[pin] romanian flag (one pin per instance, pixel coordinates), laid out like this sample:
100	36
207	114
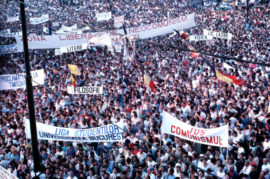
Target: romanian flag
182	34
149	82
193	54
73	81
74	69
128	110
229	78
55	71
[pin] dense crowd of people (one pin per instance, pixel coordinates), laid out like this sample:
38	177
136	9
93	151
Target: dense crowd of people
186	88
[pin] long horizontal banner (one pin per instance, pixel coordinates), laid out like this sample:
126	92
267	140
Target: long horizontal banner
107	133
15	81
141	32
200	38
39	20
85	90
215	137
220	35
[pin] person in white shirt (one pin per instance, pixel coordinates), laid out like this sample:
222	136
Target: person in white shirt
220	172
205	165
114	174
150	162
72	175
240	149
148	173
200	162
265	164
246	169
141	155
177	171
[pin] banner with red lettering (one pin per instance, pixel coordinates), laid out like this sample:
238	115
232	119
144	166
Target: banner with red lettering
141	32
118	21
215	136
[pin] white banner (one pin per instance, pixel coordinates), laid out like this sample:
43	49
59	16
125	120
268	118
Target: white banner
45	29
4	174
102	39
85	90
107	133
57	52
85	28
7	49
141	32
4	33
227	66
215	136
118	21
220	35
7	33
69	29
200	38
15	81
55	24
104	16
13	19
75	48
39	20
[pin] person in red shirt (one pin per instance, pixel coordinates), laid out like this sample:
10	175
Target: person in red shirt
135	149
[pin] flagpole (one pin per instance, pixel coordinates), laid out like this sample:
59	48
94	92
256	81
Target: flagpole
227	153
159	154
29	90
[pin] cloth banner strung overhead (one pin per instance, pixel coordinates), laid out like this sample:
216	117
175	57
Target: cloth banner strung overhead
102	39
104	16
39	20
93	90
106	133
142	32
15	81
74	48
118	21
220	35
13	19
199	38
64	29
215	136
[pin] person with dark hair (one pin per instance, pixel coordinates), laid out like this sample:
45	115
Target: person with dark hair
171	174
253	173
232	173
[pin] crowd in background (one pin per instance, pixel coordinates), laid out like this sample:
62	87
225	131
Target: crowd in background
186	87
